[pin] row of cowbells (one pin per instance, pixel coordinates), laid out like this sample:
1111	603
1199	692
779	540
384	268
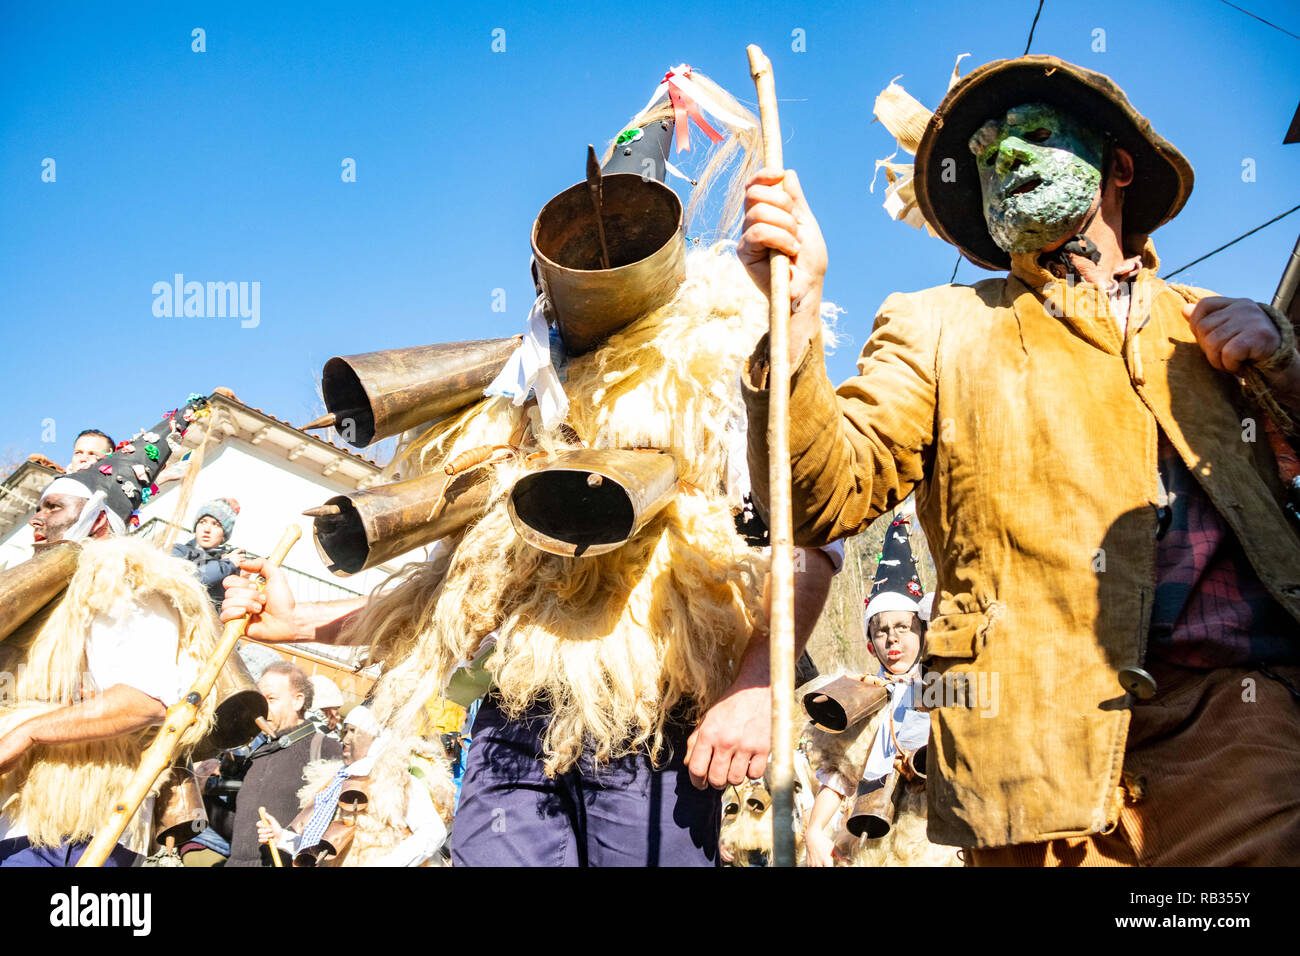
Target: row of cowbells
375	395
605	252
580	502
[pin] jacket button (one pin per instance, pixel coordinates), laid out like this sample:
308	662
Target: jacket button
1138	683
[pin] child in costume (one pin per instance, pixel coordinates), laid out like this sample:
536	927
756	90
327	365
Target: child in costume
861	759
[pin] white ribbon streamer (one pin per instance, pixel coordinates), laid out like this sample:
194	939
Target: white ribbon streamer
679	76
529	369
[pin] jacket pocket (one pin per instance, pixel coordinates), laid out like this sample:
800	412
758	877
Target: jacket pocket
958	636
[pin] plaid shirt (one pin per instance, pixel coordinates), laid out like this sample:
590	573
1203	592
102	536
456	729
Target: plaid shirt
1211	610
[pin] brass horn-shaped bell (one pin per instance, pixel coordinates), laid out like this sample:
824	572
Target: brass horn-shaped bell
178	811
377	394
844	702
591	501
758	799
26	588
914	763
362	529
354	796
643	232
239	705
334	842
873	811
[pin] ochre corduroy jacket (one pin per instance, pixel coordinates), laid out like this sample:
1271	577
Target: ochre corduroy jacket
1028	427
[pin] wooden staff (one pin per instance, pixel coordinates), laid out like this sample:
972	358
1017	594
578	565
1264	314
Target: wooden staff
180	716
780	525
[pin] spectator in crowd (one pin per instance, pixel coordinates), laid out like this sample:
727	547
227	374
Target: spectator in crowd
275	765
209	550
256	657
90	446
410	796
327	700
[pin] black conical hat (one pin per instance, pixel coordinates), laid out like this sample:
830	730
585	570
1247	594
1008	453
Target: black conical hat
895	571
127	474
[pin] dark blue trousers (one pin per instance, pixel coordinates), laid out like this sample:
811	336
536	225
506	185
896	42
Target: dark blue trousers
625	814
18	852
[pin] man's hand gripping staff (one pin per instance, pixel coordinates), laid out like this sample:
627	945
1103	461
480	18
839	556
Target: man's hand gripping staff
778	218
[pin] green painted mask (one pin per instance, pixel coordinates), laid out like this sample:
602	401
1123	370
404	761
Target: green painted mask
1039	172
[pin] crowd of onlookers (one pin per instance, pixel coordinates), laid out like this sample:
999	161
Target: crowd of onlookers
278	795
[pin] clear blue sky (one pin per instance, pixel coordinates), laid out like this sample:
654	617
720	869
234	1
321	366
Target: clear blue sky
225	165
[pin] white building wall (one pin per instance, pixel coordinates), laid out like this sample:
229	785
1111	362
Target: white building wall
16	546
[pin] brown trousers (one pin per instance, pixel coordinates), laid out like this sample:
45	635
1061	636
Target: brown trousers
1211	778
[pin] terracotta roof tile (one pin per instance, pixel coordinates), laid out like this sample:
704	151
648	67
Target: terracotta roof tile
42	460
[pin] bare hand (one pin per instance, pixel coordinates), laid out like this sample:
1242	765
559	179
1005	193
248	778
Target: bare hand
269	830
733	740
820	847
1232	332
777	217
271	610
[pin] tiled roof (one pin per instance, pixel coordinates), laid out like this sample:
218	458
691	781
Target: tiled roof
227	393
46	463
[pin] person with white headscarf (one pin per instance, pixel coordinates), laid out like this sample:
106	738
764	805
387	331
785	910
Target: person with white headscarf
101	664
70	511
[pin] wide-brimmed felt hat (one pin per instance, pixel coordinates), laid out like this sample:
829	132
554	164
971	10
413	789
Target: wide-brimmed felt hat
1162	177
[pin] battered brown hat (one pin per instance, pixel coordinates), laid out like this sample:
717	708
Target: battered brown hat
1162	177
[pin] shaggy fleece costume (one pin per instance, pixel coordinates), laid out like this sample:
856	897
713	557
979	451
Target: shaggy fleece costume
614	645
62	792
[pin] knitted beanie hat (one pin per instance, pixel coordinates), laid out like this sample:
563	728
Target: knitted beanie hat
223	511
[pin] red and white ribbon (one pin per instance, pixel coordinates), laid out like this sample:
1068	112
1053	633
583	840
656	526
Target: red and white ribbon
688	99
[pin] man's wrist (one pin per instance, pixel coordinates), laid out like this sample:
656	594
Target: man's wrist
755	663
1284	360
21	737
805	323
1284	378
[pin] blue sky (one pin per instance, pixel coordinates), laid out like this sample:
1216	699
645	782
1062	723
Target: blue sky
225	166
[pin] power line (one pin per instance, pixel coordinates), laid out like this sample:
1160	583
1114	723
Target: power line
1027	44
1030	41
1260	19
1232	242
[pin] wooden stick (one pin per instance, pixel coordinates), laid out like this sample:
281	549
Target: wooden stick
780	524
275	853
180	716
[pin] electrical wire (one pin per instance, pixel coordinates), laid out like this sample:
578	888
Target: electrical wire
1260	19
1030	41
1213	252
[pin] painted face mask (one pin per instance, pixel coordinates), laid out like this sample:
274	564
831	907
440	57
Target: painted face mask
1039	172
